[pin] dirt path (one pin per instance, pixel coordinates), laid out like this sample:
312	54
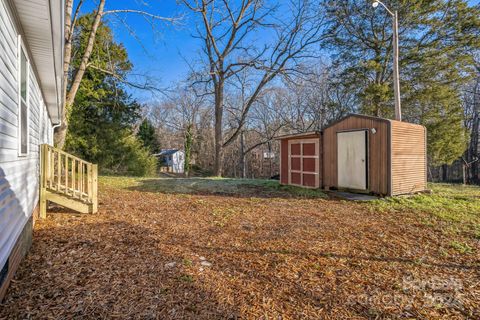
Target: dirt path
154	255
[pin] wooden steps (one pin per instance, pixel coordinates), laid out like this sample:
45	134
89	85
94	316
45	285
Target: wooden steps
69	202
68	181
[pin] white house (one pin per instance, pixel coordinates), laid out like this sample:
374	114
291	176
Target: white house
31	72
172	159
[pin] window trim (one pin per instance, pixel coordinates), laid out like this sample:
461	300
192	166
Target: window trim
22	49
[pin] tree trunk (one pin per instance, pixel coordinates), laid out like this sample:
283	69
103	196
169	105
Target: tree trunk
270	174
61	133
188	149
243	166
474	148
444	173
218	166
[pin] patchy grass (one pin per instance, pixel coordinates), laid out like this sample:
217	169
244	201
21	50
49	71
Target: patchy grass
186	278
212	185
456	205
461	247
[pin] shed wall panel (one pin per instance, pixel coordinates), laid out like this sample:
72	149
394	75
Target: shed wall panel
378	163
409	158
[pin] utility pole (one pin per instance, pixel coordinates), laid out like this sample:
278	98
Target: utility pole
396	72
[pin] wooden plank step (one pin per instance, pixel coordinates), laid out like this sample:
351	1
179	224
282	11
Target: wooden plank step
69	193
68	202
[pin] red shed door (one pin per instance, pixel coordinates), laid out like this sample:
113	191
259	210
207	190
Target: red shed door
303	162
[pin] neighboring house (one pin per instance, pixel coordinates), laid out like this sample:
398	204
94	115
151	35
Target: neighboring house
31	73
172	159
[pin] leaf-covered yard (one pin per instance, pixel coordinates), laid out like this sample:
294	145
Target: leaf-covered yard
217	248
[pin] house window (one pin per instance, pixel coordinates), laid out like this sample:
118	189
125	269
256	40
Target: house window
23	103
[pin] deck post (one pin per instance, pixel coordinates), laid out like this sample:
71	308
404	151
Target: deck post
66	175
74	174
89	183
94	188
59	172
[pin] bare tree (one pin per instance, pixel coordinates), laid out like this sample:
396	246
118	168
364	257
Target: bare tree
228	32
313	101
180	114
265	122
73	78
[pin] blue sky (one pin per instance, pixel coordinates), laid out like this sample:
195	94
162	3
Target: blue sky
167	53
161	54
164	54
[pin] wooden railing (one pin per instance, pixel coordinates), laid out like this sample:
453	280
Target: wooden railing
68	176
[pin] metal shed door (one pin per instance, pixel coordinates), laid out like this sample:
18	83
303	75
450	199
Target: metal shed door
352	159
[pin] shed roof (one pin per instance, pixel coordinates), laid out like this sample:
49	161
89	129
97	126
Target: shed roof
310	133
358	116
369	117
167	152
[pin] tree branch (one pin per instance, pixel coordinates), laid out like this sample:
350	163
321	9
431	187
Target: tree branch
144	13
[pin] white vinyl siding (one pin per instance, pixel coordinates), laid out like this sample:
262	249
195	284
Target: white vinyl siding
23	100
178	159
19	175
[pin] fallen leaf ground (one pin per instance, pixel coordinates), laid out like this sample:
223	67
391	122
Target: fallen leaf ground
253	254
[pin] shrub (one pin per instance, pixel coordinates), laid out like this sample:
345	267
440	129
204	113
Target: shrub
137	160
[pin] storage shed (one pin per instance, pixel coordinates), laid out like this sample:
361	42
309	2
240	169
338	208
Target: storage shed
358	153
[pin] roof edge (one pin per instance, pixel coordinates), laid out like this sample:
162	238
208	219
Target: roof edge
301	134
358	115
51	14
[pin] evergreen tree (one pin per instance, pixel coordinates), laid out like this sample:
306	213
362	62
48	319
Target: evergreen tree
436	41
103	114
148	136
